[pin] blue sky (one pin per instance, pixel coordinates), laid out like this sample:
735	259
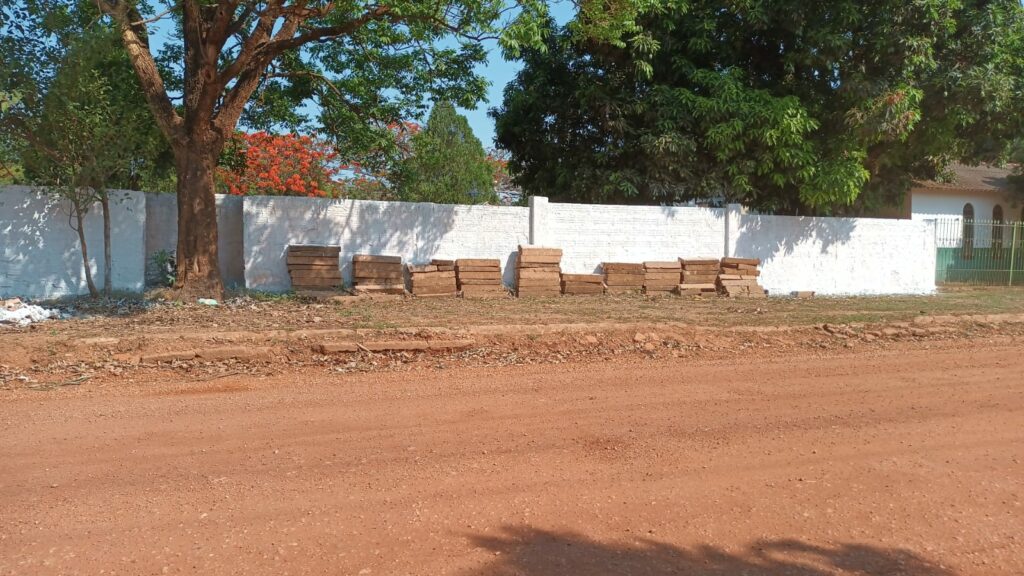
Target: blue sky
500	72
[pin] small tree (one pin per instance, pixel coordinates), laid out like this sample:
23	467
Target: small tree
87	133
448	164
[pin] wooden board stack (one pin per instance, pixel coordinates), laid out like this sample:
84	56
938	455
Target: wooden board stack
738	277
698	277
582	284
479	277
538	271
373	274
661	277
314	267
432	279
623	277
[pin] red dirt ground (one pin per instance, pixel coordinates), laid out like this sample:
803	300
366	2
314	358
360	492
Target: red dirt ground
904	461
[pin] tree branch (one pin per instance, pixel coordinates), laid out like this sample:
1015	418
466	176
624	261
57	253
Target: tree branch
136	42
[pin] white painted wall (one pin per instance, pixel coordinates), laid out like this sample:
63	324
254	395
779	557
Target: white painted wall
838	256
931	203
162	233
947	205
589	234
415	231
40	256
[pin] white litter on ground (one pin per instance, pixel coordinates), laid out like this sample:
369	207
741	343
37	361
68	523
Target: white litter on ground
16	312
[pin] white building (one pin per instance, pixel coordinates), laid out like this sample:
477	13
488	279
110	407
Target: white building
976	193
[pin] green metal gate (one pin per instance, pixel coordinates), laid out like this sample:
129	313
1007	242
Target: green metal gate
981	252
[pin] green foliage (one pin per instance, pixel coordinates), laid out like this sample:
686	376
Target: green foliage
79	119
448	164
785	105
164	266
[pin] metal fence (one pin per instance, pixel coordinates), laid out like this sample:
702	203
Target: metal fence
983	252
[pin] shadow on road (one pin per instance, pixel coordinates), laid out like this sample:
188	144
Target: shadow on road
523	551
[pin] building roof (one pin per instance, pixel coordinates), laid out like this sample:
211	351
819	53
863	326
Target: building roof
981	178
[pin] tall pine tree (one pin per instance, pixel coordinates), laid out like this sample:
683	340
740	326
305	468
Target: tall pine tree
448	164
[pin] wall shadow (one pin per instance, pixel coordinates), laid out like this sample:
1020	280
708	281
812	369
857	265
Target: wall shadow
525	551
40	256
414	231
765	236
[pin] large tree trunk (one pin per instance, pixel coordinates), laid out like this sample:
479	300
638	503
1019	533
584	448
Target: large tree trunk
76	207
107	260
198	271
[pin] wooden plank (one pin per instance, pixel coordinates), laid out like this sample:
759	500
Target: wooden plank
542	283
738	267
546	266
421	268
538	273
493	275
376	258
490	262
313	260
537	259
480	281
701	268
439	262
753	261
540	250
494	268
661	274
309	250
622	267
582	288
661	265
699	262
329	274
538	293
628	280
370	268
438	275
483	288
308	282
433	282
379	289
378	275
586	278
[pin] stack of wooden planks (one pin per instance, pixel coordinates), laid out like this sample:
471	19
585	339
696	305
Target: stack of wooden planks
582	284
698	277
374	274
622	277
738	277
661	277
314	267
479	277
538	271
434	279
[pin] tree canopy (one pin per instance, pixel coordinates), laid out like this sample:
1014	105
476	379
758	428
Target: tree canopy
447	164
786	105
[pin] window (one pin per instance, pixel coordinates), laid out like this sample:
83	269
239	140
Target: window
968	232
997	232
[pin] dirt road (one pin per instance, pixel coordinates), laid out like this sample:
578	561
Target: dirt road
907	462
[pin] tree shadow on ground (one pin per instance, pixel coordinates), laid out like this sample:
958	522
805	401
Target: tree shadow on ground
524	551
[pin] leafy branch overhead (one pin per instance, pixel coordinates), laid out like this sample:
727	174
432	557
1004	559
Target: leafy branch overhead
786	105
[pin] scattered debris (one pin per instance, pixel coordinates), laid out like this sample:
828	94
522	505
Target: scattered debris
18	313
208	302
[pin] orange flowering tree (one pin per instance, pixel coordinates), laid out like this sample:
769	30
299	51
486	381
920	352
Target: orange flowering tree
277	165
262	163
